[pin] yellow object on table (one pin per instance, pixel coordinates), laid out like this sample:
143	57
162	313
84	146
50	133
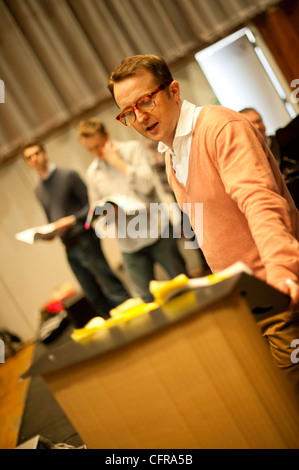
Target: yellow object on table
123	313
173	296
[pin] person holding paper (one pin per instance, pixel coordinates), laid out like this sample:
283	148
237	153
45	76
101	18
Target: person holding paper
64	198
121	173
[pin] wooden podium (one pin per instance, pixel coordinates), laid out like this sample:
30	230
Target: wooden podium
202	378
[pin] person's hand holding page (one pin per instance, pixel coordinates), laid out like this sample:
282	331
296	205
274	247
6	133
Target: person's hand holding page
65	223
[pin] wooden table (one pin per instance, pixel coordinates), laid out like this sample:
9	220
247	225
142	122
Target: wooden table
196	377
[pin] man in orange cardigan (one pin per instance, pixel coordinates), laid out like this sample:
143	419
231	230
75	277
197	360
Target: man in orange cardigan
215	156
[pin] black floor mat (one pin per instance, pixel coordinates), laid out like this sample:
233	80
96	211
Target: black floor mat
42	414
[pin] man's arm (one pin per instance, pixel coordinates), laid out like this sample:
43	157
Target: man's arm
248	178
111	156
132	161
78	192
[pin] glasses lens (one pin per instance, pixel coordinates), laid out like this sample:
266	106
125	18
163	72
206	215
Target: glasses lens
146	104
127	118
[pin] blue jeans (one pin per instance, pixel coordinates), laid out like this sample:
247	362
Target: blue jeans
101	286
140	265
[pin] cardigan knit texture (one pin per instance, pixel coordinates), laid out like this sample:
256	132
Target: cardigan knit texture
248	213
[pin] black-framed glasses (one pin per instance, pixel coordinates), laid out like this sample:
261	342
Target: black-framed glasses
145	104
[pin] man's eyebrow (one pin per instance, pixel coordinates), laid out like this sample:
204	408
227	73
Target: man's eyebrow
138	99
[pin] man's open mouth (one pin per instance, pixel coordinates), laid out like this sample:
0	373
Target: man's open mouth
152	127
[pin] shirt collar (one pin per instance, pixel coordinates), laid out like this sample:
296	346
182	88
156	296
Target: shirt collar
97	162
184	126
51	169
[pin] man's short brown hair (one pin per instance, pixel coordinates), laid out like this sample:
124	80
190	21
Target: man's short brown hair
130	66
33	143
89	127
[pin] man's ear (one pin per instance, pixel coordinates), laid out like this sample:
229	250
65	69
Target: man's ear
174	90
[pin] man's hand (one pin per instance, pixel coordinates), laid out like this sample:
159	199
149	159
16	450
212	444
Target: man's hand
111	156
65	223
291	288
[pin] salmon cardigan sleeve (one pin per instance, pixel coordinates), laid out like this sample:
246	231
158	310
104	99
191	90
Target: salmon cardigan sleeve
248	213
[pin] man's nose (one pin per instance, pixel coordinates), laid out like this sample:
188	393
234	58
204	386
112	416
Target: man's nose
141	116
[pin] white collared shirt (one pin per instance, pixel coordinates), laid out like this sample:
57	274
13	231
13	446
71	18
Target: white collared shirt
104	181
182	140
